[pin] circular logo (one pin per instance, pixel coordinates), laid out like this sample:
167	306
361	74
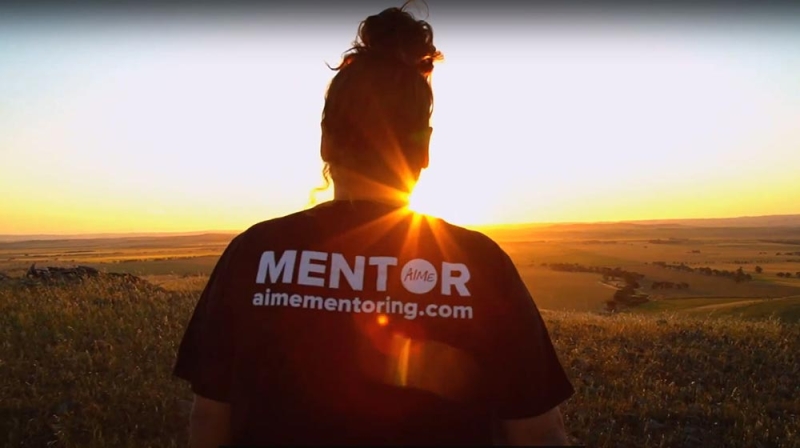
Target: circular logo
419	276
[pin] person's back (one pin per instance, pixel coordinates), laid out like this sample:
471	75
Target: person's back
359	322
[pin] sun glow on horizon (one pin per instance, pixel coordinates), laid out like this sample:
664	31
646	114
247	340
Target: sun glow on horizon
124	129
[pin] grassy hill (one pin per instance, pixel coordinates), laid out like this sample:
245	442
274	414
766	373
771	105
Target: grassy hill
712	364
89	366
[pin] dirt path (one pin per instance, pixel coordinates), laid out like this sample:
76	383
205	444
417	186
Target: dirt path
609	285
725	305
738	303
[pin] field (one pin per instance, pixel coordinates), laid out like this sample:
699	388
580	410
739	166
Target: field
714	364
637	250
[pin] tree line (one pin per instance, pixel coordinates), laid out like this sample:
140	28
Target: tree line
626	295
738	275
629	277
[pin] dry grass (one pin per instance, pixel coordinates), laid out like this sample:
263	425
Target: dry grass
786	309
89	366
186	283
679	381
573	292
566	291
132	253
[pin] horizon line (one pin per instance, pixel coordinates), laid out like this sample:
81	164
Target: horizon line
134	234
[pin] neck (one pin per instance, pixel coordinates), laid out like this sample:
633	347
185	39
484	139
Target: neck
385	195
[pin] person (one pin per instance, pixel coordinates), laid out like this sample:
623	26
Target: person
359	321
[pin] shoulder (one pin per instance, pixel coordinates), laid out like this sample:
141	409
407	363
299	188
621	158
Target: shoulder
472	240
267	232
279	227
247	245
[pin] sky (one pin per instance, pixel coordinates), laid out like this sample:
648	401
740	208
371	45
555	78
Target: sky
178	122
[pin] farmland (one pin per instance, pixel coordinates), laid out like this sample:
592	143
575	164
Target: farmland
711	364
183	262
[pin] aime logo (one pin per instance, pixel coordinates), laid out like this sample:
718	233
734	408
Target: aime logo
323	269
419	276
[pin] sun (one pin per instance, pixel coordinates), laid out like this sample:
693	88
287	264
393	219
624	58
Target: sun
439	200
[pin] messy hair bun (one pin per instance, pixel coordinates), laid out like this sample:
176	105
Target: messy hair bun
394	35
376	118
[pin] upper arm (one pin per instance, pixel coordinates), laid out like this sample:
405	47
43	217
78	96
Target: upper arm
207	409
544	429
210	423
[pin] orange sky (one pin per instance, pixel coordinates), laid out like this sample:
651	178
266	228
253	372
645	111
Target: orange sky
123	129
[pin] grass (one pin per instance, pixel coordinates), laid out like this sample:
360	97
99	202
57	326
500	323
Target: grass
566	291
558	292
197	265
89	366
713	365
178	254
786	309
679	381
679	305
191	283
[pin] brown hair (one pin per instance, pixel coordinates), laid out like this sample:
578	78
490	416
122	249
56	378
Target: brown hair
379	103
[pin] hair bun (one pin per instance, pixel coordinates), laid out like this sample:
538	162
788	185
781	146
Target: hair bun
396	34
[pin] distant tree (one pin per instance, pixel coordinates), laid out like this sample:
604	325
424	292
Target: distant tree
611	306
622	295
780	274
797	274
759	269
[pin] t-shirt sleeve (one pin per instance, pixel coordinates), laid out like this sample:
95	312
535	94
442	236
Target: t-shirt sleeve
528	378
205	354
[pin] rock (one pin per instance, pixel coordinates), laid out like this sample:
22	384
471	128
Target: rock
88	270
61	275
34	272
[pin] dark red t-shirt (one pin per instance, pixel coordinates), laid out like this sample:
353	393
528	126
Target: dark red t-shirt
357	322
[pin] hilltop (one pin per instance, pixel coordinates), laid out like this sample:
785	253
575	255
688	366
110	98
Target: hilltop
91	367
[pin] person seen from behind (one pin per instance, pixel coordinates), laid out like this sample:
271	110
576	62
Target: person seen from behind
359	321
